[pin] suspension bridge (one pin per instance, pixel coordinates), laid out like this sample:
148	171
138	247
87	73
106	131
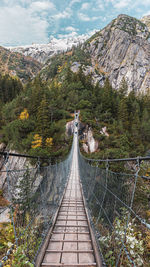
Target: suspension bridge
77	212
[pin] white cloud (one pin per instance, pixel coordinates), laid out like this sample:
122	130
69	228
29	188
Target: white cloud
111	1
20	27
85	17
85	6
17	2
122	4
40	6
63	15
95	18
99	5
69	35
119	4
70	29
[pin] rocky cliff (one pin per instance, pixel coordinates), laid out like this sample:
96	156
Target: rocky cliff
122	50
85	134
89	143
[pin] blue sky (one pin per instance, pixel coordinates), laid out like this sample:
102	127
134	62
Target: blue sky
24	22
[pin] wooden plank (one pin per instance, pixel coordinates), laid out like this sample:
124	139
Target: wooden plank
69	265
69	251
68	240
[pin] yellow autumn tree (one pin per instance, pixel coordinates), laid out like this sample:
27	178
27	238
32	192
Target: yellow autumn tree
37	142
24	115
60	69
49	141
57	84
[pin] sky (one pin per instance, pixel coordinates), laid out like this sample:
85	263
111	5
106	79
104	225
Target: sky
23	22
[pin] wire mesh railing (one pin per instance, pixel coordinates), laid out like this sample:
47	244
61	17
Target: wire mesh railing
114	206
34	195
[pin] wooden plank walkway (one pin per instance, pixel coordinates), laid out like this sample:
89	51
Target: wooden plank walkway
71	241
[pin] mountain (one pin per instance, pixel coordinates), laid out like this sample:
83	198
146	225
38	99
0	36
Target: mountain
42	52
120	51
18	65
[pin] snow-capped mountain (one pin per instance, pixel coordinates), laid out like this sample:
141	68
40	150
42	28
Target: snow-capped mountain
42	52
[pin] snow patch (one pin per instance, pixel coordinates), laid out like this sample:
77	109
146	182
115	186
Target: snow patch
42	52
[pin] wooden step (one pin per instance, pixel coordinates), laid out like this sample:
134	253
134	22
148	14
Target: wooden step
69	251
68	265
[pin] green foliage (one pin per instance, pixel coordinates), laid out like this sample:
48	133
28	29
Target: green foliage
9	88
123	90
81	55
7	237
55	62
112	242
19	259
43	119
25	193
45	108
48	102
16	131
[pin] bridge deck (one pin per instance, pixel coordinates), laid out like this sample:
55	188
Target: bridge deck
71	243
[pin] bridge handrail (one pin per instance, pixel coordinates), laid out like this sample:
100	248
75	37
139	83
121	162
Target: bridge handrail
116	160
6	153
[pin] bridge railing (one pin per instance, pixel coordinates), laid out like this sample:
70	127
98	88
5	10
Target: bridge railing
114	207
34	195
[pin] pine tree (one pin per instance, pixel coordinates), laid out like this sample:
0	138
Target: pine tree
123	113
145	126
25	194
135	122
36	96
43	120
123	88
108	99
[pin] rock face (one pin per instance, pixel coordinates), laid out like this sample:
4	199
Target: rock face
90	144
122	50
86	134
70	128
5	215
17	167
14	163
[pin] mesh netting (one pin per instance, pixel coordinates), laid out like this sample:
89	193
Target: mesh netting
116	220
34	195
